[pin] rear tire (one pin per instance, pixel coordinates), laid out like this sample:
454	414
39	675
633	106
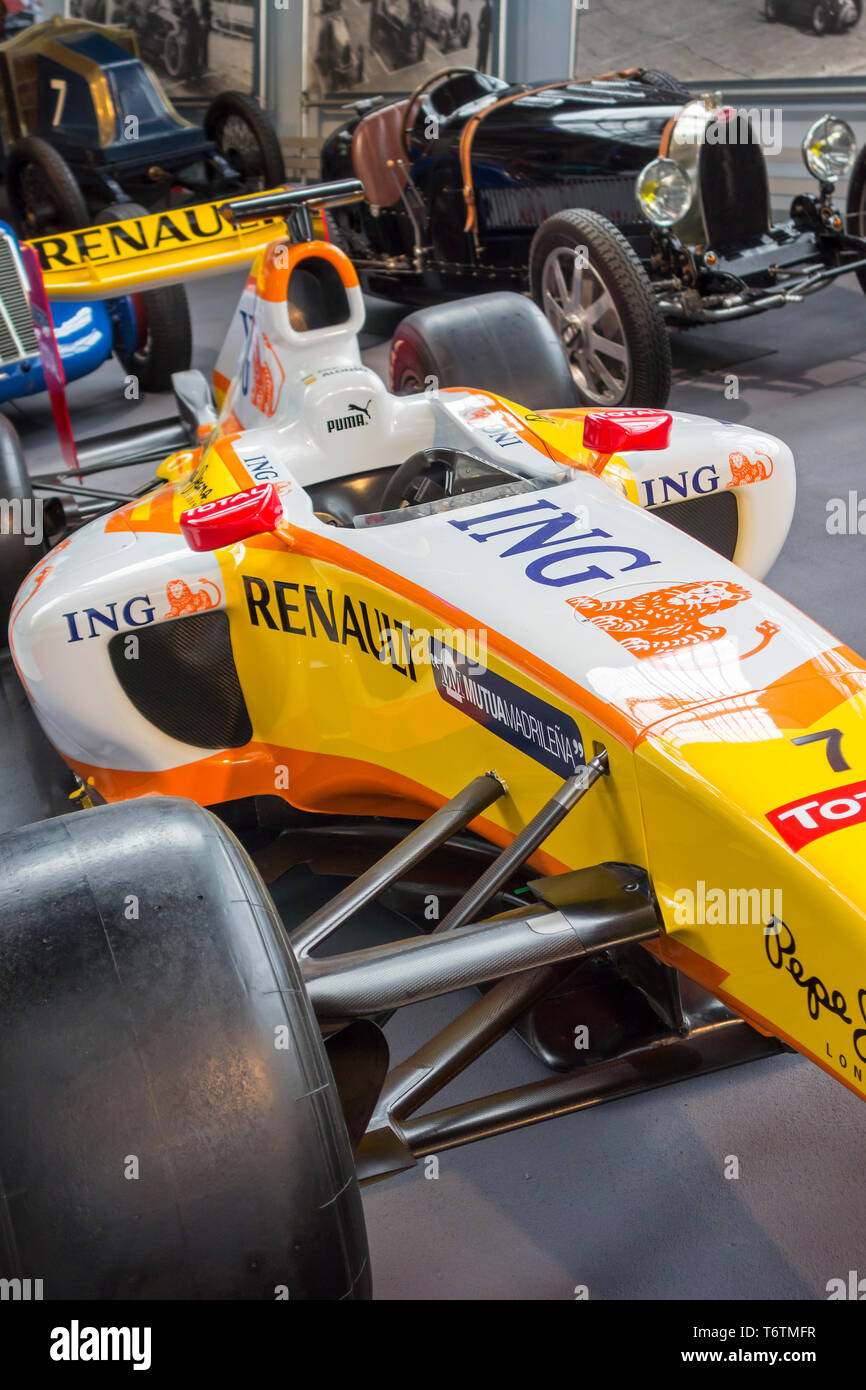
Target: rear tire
492	342
612	333
174	1042
245	137
165	328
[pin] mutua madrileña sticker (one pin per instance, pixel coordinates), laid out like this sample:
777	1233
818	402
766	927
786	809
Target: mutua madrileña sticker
527	723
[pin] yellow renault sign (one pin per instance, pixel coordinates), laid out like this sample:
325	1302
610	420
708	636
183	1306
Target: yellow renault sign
158	249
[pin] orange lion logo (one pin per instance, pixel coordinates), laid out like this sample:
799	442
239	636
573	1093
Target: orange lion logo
744	470
182	600
263	395
666	619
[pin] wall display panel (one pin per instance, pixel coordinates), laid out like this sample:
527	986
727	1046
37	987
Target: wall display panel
197	48
702	40
370	46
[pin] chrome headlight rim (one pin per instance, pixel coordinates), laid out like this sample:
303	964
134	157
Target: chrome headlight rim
657	170
815	150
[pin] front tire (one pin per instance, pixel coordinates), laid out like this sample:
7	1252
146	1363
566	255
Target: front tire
245	137
42	190
493	342
600	302
169	1124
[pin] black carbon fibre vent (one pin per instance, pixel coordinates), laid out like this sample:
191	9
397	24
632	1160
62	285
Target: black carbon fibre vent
713	520
184	680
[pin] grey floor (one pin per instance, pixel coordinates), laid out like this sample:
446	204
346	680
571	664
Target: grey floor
631	1200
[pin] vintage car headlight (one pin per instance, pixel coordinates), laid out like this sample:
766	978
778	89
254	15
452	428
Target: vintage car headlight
829	149
664	192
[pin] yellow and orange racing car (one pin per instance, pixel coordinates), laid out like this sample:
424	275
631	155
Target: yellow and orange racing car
510	674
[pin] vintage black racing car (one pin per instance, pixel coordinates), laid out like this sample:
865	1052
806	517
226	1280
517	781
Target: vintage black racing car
623	204
86	125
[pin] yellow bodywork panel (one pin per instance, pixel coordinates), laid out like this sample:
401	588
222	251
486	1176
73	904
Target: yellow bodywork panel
777	935
337	676
161	248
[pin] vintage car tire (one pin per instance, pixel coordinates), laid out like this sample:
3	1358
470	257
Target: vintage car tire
165	319
153	1037
620	275
497	342
69	201
821	19
17	558
247	109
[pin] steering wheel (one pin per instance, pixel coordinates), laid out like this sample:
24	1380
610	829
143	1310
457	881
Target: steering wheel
432	80
399	487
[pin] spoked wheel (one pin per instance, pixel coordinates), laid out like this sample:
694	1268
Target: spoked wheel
600	302
582	310
42	189
465	30
443	36
245	137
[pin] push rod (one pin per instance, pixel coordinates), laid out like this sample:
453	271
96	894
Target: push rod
455	815
524	845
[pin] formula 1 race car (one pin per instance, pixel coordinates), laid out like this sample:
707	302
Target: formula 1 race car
626	205
514	667
87	126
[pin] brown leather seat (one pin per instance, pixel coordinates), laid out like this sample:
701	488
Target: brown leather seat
379	156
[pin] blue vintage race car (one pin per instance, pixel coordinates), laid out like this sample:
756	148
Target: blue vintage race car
150	333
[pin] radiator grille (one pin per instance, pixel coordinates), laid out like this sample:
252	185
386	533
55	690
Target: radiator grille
735	193
17	334
526	208
713	520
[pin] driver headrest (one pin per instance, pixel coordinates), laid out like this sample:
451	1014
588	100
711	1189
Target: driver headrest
378	154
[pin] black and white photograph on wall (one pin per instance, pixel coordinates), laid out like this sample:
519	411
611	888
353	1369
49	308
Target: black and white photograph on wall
392	45
702	40
197	47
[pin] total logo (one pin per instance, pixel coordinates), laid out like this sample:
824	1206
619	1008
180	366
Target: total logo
802	821
565	551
